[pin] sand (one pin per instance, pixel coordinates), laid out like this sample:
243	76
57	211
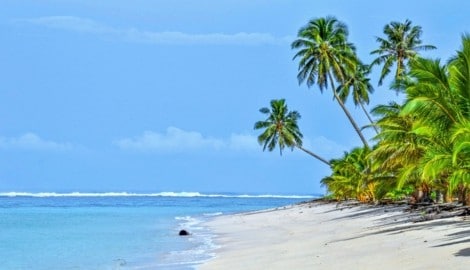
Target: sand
330	236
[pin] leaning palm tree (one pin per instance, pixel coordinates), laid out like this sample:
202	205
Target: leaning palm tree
358	84
326	57
401	44
281	129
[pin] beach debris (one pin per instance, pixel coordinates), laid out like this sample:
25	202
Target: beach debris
431	211
183	233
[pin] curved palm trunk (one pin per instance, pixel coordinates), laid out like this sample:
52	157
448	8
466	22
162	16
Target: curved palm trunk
345	110
313	155
368	117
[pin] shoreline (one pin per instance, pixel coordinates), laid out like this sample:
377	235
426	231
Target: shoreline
320	235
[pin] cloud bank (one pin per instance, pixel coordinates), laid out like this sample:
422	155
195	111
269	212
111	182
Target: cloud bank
31	141
177	140
88	26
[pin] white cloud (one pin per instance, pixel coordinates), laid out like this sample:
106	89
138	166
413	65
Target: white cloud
31	141
176	140
324	147
70	23
243	142
85	25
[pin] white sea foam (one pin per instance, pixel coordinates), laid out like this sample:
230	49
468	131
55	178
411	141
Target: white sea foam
200	249
212	214
159	194
188	222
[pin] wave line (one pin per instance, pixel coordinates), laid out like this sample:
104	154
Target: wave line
159	194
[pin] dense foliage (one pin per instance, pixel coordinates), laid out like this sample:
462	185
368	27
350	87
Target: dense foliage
422	146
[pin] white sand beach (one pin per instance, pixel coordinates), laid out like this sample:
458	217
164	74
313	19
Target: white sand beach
330	236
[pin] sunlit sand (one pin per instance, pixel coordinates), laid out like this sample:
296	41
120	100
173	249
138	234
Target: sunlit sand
330	236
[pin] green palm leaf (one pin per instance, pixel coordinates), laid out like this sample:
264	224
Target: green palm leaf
325	58
281	129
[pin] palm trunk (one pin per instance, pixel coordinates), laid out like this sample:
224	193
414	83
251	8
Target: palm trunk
448	197
461	193
368	117
345	110
439	196
465	196
313	155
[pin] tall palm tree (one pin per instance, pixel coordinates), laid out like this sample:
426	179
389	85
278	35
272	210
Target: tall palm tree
281	129
358	84
326	57
401	44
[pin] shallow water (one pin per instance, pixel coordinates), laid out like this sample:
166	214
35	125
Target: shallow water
114	231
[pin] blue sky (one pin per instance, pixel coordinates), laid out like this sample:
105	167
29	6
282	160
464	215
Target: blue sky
148	96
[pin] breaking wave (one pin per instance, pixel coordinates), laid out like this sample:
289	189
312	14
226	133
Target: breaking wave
159	194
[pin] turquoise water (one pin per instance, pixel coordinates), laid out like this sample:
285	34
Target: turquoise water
115	231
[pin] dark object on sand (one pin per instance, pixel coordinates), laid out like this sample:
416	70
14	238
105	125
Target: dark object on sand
429	211
183	233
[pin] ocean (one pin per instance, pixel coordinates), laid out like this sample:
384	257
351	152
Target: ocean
116	230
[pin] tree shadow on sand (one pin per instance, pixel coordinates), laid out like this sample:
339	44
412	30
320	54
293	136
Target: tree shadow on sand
399	222
396	219
458	238
463	252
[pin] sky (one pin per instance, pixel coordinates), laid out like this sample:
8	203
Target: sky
152	96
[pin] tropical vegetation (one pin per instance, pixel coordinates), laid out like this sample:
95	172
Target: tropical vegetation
421	149
281	129
326	57
402	43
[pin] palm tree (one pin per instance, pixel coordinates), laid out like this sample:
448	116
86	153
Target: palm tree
352	177
399	148
340	184
461	158
360	86
429	102
325	57
401	44
441	100
281	129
